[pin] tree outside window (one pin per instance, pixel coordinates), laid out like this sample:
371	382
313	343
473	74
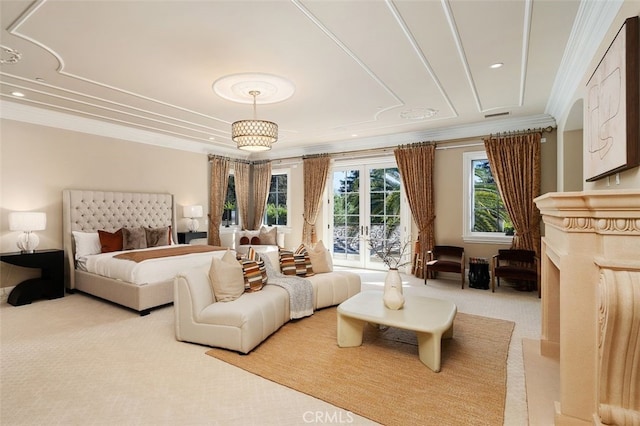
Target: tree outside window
489	213
276	211
486	220
230	213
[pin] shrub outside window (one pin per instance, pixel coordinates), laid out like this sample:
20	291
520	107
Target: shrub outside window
230	212
276	211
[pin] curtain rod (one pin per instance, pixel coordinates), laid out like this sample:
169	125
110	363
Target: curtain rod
547	129
372	152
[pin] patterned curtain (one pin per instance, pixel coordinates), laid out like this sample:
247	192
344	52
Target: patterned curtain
241	175
261	185
217	195
315	171
415	163
515	165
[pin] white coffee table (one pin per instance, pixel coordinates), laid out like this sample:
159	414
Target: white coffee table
431	319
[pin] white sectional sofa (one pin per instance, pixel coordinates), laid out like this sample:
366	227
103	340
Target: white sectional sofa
242	324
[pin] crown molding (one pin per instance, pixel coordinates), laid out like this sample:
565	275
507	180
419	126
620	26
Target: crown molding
465	131
593	20
49	118
60	120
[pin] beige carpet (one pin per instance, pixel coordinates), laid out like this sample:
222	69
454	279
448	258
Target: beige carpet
383	379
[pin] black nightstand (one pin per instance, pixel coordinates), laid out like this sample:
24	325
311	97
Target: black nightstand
50	285
186	237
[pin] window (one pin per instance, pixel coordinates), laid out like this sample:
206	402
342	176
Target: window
276	212
485	217
230	214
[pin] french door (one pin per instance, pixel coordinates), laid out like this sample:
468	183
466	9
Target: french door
368	214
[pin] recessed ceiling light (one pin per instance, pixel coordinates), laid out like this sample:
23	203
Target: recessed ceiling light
211	138
354	135
18	94
496	65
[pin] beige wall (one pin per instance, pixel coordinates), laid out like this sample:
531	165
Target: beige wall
38	162
572	162
448	188
64	159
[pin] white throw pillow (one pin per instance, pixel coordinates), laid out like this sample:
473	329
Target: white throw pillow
321	261
87	243
227	279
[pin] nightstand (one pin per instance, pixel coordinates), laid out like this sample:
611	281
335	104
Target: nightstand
50	285
186	237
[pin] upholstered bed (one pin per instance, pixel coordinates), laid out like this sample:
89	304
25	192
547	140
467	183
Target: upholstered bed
87	212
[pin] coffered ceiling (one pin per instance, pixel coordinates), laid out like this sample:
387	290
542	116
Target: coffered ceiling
366	73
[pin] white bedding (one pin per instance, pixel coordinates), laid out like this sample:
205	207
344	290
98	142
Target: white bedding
148	271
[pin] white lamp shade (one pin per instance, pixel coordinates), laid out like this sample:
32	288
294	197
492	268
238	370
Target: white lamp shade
192	211
27	221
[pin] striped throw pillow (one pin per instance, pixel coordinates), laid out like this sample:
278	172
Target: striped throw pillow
303	262
287	262
254	271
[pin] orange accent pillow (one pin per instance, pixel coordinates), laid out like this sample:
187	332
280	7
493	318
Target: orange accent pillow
110	241
255	241
244	241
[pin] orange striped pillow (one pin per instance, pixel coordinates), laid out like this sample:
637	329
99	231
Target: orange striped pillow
254	271
303	262
287	262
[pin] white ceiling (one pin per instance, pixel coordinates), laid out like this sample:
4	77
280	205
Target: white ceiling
357	66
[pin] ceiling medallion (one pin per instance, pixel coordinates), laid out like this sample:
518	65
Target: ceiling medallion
9	55
238	88
253	134
418	113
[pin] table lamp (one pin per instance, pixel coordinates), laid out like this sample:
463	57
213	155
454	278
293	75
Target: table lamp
27	222
192	212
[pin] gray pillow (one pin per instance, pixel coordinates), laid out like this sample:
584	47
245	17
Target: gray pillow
268	236
133	238
157	236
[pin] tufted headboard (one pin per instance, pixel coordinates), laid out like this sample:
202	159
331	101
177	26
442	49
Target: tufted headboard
87	211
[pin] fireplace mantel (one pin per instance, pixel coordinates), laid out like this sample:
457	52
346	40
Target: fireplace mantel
591	303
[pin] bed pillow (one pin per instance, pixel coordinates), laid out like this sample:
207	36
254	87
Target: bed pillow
320	258
268	236
157	237
110	241
133	238
227	280
87	243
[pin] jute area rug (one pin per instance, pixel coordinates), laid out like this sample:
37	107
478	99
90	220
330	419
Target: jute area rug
383	379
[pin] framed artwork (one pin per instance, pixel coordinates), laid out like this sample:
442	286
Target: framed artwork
612	107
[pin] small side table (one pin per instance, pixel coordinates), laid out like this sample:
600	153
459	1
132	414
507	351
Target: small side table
50	285
479	273
186	237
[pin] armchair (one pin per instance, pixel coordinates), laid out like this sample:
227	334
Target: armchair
515	264
445	259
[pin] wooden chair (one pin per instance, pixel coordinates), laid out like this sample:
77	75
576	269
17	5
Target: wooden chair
417	264
517	265
445	259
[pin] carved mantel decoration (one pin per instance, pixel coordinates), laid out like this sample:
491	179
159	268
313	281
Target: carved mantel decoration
619	348
591	303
